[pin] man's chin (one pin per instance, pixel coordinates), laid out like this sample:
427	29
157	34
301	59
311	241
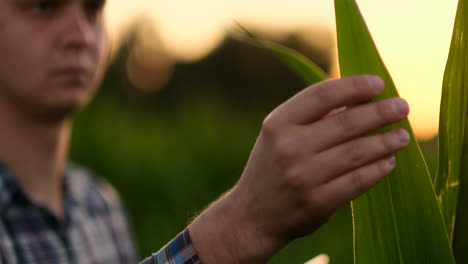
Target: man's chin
59	112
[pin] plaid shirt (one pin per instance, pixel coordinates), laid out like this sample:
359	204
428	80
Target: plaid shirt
178	251
94	231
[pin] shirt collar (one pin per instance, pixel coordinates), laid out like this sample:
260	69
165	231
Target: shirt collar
75	190
75	184
8	187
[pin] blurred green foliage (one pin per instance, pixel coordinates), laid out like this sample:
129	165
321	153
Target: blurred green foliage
171	153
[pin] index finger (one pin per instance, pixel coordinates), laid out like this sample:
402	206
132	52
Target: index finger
314	102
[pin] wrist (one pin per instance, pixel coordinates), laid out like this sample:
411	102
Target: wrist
224	233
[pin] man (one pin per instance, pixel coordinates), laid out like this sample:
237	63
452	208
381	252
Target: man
303	167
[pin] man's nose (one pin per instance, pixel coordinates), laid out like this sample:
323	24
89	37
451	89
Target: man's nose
78	32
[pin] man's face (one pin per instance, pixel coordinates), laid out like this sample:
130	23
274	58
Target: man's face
52	54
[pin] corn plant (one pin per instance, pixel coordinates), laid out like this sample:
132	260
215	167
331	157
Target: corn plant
411	217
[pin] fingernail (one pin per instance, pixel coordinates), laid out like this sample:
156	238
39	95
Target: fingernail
376	82
401	107
402	137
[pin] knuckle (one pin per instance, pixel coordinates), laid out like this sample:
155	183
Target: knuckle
388	142
271	125
345	122
356	155
383	168
322	92
384	111
360	84
286	146
357	183
296	181
286	153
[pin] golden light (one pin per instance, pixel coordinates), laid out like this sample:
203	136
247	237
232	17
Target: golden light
149	67
190	29
413	36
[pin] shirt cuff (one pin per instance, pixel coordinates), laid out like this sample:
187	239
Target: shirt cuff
179	251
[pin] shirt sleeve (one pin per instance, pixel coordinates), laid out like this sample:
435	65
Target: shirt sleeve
179	251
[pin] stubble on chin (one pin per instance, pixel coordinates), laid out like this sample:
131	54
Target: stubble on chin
54	107
63	110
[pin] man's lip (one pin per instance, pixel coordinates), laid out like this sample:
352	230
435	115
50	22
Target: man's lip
72	71
79	74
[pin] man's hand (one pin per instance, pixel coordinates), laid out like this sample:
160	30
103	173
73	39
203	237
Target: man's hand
302	169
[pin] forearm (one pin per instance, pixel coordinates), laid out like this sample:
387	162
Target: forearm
222	234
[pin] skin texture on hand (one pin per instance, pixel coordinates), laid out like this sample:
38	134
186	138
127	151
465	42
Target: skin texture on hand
302	169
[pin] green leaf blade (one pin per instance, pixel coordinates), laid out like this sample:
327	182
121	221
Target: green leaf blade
452	122
399	221
451	182
298	63
460	241
306	69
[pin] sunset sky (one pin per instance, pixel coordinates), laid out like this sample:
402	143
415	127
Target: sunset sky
413	36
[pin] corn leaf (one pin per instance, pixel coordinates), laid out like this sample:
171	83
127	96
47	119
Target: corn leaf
452	122
451	182
399	221
298	63
460	241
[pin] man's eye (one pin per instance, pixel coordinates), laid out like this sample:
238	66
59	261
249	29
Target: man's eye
94	7
44	6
